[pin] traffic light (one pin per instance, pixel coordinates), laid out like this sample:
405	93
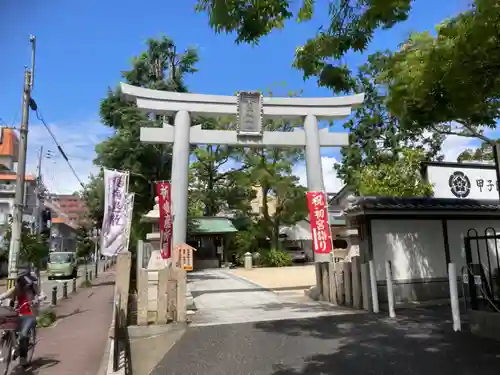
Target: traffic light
46	223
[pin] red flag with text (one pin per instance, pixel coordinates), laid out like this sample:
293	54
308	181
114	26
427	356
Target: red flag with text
165	207
318	216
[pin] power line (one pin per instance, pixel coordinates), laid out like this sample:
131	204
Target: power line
40	117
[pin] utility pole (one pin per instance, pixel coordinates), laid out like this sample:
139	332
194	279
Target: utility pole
17	217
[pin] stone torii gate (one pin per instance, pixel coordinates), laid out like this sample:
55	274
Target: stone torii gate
250	108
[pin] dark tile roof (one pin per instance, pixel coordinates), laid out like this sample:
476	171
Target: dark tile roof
422	204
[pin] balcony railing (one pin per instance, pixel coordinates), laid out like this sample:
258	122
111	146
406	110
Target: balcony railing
7	188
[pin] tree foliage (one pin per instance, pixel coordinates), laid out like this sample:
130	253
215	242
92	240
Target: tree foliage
483	153
34	246
93	196
449	83
375	135
161	67
351	27
215	187
400	178
84	245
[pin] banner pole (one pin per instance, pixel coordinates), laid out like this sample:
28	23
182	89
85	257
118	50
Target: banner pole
130	210
329	226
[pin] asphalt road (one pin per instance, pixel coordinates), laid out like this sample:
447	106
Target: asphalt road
421	342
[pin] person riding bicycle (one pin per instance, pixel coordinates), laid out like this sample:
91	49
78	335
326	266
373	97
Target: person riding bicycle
24	296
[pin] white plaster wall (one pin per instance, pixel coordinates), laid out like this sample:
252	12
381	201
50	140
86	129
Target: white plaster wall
457	231
414	247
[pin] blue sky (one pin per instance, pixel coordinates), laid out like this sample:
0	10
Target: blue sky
83	46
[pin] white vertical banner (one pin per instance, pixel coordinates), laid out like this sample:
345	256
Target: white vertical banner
115	220
130	212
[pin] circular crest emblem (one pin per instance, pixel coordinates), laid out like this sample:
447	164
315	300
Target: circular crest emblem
459	184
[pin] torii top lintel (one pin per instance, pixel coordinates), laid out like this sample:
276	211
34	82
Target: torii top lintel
202	105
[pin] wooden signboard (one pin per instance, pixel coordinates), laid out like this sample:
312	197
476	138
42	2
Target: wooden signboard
184	257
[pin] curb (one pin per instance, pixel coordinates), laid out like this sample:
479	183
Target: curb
248	281
103	368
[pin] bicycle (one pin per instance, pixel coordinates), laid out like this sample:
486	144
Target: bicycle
9	339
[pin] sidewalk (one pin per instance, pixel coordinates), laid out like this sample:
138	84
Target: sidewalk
79	337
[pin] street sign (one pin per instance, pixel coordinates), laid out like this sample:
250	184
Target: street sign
477	280
465	278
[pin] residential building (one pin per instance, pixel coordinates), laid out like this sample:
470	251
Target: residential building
256	203
63	234
72	205
9	144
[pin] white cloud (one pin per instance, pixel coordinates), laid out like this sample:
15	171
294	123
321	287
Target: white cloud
78	141
331	181
454	145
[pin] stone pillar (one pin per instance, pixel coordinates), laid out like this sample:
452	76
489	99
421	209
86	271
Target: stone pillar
366	287
357	301
314	169
339	274
325	282
333	283
180	168
248	261
348	283
122	282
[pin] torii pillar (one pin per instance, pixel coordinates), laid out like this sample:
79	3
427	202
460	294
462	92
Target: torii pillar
250	108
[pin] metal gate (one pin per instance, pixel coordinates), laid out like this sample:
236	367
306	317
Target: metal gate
482	270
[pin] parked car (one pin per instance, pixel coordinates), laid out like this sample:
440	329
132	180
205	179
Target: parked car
298	255
62	265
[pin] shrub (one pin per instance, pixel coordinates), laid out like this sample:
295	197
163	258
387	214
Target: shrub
86	284
276	258
46	319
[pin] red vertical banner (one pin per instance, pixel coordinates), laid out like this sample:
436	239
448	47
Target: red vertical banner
318	216
165	207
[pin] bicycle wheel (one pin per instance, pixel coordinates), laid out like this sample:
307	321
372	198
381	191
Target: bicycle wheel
6	349
31	345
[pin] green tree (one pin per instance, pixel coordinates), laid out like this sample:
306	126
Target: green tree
351	27
399	178
483	153
93	196
375	135
160	67
270	169
214	186
34	247
84	244
449	83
